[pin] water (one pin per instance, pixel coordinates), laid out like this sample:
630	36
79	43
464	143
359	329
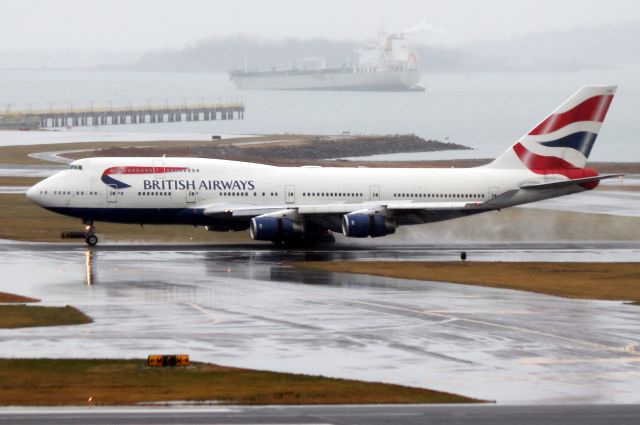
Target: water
487	111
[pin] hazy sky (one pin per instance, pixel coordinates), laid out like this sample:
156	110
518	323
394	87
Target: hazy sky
136	25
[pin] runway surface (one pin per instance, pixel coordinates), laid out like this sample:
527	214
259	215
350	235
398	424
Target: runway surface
13	189
612	202
11	170
80	135
244	305
390	414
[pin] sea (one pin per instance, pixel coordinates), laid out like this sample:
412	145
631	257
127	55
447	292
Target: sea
485	111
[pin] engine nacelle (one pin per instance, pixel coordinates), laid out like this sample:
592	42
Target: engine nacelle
362	224
231	226
265	228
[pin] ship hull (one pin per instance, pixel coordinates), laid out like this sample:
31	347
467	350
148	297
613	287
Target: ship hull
402	80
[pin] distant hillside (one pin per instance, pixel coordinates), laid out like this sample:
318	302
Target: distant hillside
225	54
577	48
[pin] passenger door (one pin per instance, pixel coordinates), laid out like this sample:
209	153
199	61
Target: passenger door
290	194
374	193
192	196
112	195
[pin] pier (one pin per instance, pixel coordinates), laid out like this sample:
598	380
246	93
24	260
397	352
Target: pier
70	117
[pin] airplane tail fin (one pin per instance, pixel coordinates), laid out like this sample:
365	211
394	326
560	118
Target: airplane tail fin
562	141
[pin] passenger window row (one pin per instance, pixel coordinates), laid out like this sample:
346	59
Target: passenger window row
350	194
68	192
436	195
154	193
246	194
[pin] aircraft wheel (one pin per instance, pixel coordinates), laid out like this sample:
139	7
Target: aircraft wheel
91	240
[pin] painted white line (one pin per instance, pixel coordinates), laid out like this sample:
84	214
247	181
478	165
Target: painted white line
207	312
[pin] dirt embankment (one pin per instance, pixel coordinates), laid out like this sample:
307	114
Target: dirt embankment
334	147
291	150
295	150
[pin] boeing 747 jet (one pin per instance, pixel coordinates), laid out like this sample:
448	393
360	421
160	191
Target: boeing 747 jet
306	204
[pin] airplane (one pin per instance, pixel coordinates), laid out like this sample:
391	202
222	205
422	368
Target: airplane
289	205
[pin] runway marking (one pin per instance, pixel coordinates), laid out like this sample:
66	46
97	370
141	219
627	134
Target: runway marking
205	311
480	312
578	361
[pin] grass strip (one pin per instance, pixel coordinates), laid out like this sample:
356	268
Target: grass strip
19	181
26	316
20	219
19	154
594	281
117	382
6	297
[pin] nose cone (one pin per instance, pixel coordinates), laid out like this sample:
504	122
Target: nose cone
33	194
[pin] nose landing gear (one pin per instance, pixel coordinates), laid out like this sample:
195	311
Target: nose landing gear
90	234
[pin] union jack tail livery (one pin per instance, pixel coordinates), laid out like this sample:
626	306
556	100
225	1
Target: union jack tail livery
562	142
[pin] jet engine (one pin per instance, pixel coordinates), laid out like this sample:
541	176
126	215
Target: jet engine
361	224
269	228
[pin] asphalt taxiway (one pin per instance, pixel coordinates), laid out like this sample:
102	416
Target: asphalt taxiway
246	306
380	414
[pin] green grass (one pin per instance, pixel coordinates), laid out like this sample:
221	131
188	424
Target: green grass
595	281
25	316
117	382
5	297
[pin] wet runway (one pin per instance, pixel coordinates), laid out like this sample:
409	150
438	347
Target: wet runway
13	189
244	305
623	203
380	414
11	170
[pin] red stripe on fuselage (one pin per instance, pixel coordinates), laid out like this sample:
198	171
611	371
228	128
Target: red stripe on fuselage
141	170
592	109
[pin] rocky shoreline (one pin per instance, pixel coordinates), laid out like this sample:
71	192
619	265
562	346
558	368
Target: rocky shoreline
294	148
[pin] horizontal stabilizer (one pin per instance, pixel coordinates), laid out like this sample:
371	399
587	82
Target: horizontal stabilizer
564	183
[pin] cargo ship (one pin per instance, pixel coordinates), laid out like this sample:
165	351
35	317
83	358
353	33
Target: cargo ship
384	65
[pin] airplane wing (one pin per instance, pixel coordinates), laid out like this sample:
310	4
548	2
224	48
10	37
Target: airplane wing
248	210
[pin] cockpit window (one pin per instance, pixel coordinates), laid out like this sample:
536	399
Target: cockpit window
74	167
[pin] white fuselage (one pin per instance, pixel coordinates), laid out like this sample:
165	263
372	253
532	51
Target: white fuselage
178	190
284	204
